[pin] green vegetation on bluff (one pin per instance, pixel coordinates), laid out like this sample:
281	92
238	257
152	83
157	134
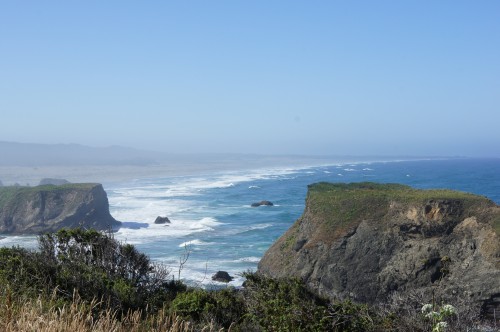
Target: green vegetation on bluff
11	194
340	206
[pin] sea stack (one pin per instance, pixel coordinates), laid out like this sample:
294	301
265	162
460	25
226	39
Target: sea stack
262	203
34	210
162	220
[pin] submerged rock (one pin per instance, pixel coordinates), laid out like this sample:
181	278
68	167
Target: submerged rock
162	220
34	210
222	276
368	241
265	203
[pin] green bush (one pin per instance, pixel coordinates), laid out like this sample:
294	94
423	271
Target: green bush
349	316
91	263
24	272
222	307
284	305
94	266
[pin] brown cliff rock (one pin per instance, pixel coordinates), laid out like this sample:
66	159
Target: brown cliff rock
366	241
34	210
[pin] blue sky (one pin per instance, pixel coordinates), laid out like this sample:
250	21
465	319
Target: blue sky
273	77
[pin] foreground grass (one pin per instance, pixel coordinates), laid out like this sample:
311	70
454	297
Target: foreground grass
48	315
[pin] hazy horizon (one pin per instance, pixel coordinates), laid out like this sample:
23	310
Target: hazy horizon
327	78
29	163
25	149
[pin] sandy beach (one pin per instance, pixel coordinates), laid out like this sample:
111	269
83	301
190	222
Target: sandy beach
192	165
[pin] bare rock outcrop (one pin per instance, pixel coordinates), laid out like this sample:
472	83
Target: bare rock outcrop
368	241
262	203
34	210
162	220
222	276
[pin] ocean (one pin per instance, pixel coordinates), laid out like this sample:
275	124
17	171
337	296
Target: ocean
213	226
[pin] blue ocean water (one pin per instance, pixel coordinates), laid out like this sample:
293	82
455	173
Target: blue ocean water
212	220
211	217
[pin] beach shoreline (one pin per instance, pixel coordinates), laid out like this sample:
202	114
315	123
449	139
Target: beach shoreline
31	175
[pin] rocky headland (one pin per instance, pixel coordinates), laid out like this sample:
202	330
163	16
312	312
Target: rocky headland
371	242
47	208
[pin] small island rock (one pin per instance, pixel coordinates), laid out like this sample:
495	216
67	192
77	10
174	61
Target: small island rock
222	276
266	203
162	220
55	182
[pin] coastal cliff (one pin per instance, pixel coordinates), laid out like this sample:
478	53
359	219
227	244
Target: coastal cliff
369	242
34	210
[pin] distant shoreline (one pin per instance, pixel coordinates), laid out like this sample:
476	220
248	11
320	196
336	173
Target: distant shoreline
31	175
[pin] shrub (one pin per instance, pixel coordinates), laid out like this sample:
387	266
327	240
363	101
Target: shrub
24	272
349	316
223	307
92	264
284	305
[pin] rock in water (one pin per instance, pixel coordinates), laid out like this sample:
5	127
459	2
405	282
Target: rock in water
222	276
265	203
162	220
366	241
34	210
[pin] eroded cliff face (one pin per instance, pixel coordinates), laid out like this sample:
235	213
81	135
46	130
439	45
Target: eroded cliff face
368	241
34	210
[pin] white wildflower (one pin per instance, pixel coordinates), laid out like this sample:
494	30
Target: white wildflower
442	324
447	310
426	308
439	327
432	315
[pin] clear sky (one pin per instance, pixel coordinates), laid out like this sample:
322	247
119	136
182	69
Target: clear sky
274	77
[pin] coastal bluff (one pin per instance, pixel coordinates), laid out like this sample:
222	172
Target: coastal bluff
47	208
373	242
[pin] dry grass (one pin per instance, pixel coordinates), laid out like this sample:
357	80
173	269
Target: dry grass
43	315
